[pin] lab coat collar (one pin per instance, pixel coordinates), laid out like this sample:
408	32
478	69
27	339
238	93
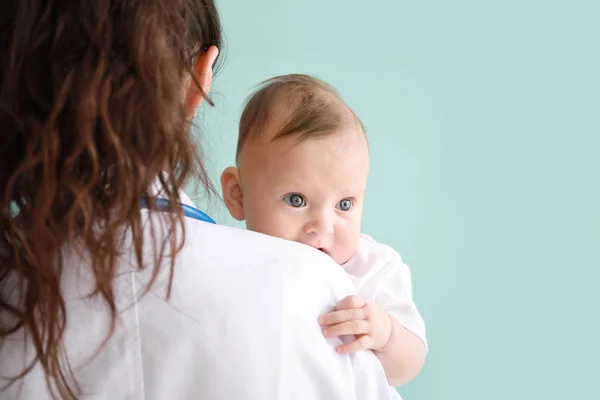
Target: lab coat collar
156	190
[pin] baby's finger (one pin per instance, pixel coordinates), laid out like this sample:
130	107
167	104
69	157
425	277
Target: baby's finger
354	327
338	317
350	302
362	343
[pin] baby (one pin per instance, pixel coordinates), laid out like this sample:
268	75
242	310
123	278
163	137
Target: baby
302	166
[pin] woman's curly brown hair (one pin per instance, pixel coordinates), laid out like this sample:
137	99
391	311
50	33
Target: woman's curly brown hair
91	113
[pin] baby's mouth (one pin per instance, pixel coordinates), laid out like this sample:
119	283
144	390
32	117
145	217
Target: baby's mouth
323	250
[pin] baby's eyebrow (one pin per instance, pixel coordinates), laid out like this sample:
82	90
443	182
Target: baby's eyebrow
286	186
358	190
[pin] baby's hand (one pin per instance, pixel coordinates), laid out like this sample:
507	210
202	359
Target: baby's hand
355	316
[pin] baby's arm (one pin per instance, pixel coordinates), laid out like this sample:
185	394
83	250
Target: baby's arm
402	353
403	356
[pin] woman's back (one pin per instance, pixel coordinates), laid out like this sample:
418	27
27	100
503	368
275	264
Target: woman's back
240	323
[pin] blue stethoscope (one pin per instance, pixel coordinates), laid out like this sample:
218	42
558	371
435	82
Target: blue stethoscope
188	211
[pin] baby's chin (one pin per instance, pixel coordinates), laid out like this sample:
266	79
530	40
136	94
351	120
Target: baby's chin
340	258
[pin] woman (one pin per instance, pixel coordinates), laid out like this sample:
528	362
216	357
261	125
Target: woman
104	297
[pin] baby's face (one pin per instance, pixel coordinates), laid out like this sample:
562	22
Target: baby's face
310	192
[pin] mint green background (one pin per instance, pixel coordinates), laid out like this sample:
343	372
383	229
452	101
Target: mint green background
484	123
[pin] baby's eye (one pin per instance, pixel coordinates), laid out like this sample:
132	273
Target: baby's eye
295	200
344	205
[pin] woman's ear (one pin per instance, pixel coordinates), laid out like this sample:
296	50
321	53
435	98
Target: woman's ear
232	192
204	74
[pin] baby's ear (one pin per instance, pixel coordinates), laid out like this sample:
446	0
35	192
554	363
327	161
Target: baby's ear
232	192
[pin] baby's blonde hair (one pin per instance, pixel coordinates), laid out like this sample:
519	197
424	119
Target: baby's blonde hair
315	107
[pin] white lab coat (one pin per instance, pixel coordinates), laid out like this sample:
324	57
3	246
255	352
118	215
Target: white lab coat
241	323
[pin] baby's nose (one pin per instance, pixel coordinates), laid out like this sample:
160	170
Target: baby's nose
319	227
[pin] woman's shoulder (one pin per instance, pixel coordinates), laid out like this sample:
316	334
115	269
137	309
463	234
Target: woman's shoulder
220	261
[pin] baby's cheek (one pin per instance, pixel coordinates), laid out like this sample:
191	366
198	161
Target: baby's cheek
259	220
276	223
347	247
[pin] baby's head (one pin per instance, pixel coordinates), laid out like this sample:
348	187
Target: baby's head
302	166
